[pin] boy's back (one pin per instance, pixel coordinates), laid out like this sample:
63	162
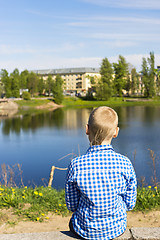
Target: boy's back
101	185
96	191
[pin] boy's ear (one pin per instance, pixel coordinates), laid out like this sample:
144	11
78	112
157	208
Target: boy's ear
116	132
87	129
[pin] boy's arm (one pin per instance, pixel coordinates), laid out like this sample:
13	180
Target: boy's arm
131	193
72	193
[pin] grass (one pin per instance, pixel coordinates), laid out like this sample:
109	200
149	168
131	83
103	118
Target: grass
148	199
35	203
115	101
32	103
81	102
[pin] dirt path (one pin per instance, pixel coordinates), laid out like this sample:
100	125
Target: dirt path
11	224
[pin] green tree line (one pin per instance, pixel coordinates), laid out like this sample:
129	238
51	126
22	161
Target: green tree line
15	83
117	78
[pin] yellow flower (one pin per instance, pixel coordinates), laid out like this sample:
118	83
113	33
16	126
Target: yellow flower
36	193
47	217
42	214
56	211
60	205
155	187
64	204
149	187
153	195
1	189
38	218
23	196
25	187
0	194
13	189
40	194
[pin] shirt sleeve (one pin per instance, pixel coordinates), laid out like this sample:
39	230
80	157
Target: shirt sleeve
131	192
72	193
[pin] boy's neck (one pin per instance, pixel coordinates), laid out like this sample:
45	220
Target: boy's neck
105	142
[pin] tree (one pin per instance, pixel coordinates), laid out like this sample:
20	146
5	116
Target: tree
7	83
58	90
157	74
15	87
23	79
121	73
105	84
134	81
40	86
32	83
1	89
49	84
148	74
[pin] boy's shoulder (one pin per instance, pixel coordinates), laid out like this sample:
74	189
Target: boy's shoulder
110	154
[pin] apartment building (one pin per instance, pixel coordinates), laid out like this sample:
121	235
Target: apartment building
75	79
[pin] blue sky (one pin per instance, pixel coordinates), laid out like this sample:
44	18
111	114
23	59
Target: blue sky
36	34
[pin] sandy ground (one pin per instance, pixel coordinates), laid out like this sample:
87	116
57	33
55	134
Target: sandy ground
12	224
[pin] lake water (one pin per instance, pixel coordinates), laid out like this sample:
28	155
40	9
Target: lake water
37	142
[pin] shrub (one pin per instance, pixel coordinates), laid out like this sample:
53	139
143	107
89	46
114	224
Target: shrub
26	95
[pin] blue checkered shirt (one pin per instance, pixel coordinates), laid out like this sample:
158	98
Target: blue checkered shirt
100	187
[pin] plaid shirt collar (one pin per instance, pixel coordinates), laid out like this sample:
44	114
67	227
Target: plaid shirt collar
96	148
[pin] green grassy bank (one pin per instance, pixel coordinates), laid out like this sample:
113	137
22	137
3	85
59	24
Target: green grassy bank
35	203
81	102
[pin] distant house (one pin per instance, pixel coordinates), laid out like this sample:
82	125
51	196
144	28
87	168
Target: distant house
75	79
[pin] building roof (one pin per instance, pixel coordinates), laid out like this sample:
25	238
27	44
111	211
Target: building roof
66	71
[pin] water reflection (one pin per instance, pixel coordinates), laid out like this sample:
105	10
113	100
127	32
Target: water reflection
60	118
38	141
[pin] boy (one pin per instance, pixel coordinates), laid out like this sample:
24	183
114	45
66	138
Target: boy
101	185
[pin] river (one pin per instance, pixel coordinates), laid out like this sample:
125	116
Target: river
36	142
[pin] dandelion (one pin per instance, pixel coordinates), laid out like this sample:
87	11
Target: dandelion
60	205
65	205
1	189
47	217
155	187
25	187
36	193
38	218
42	214
23	196
13	189
153	195
40	194
149	187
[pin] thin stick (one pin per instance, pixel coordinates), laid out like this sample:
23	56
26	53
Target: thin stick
52	174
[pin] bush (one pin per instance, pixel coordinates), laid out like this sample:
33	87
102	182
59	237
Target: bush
26	95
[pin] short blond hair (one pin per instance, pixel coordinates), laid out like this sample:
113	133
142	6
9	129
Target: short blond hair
102	122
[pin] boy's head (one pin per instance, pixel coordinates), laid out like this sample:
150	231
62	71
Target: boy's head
102	125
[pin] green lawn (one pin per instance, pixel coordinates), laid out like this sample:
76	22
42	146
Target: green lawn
41	200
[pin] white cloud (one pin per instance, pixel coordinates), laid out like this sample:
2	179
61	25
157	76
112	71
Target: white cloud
12	49
47	62
103	21
50	62
136	59
136	4
125	36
